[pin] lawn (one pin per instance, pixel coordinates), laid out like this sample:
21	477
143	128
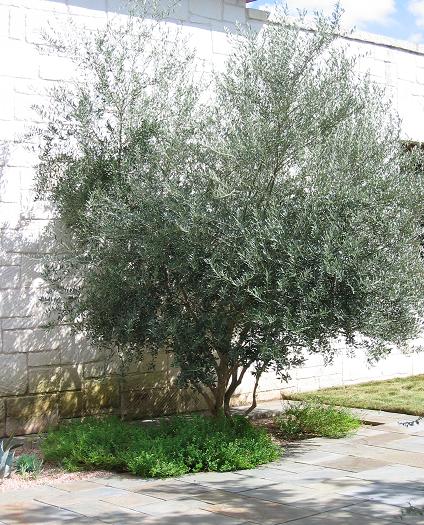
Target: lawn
405	395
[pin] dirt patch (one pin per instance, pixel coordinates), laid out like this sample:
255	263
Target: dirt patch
50	473
273	430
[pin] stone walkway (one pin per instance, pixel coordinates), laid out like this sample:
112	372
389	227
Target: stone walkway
365	479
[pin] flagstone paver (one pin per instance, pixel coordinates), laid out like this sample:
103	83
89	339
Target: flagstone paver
392	474
365	479
354	464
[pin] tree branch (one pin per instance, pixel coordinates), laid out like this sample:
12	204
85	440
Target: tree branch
255	388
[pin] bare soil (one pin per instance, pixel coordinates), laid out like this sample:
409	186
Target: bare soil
50	473
273	430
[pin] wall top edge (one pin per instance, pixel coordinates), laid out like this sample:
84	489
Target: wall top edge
359	36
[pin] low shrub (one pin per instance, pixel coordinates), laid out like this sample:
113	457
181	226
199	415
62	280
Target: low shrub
173	447
312	420
29	465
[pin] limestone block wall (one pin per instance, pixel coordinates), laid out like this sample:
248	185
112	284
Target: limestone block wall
45	376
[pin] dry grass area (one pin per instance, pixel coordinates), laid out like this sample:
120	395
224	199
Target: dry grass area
404	395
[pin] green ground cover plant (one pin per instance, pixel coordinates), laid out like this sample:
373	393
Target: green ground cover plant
170	448
29	465
313	420
405	395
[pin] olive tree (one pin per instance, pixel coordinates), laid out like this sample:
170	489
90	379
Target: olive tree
239	225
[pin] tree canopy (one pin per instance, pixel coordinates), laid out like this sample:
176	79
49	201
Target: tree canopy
240	224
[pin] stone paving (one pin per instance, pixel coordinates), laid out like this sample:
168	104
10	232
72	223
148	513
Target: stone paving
369	478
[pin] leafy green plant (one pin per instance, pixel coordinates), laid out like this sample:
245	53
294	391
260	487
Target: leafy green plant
311	419
29	465
169	448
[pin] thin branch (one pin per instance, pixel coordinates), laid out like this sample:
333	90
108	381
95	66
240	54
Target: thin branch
254	403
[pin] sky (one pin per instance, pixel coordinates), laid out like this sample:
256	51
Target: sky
401	19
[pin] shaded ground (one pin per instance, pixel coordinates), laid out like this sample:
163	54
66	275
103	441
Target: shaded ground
405	395
368	478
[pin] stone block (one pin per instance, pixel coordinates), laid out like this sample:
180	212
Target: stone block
268	395
22	322
31	238
9	259
26	178
158	379
149	364
13	375
9	185
188	401
234	13
33	339
56	7
100	396
258	15
200	37
56	68
51	357
94	8
76	350
149	403
28	406
20	154
330	380
153	402
54	379
9	277
31	272
26	107
71	404
420	75
34	209
6	94
180	10
220	42
17	23
208	8
31	414
9	130
19	60
35	23
4	21
100	369
10	215
304	385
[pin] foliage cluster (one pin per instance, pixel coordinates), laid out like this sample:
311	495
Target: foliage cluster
316	420
169	448
29	465
239	225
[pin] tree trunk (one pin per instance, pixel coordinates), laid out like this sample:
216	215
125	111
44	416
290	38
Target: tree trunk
235	383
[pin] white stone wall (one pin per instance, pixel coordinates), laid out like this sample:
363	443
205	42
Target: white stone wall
51	373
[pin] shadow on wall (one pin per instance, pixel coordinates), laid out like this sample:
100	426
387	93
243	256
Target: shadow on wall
47	375
192	14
